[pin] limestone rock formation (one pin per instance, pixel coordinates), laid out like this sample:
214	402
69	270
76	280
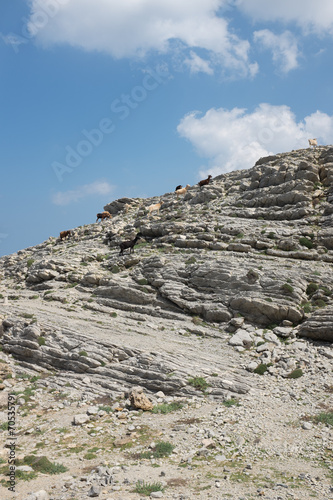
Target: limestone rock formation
252	250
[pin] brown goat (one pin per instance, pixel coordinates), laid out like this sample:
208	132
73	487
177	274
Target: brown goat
65	234
103	215
205	181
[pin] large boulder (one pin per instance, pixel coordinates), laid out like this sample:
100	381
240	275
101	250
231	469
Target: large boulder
319	326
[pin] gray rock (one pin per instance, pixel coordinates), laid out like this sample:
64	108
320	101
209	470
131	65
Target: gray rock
241	338
80	419
94	491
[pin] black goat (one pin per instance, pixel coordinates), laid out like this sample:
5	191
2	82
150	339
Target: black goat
129	244
205	181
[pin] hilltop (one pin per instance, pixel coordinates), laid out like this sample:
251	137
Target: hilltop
225	308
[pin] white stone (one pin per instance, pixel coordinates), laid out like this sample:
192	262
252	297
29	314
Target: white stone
80	419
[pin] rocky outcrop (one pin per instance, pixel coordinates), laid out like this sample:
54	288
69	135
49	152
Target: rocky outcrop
111	367
254	245
319	326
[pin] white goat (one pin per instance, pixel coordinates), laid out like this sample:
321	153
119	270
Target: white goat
156	207
182	190
313	142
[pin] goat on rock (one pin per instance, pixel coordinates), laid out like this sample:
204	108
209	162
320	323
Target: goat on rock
156	207
129	244
103	215
313	142
65	234
205	181
182	190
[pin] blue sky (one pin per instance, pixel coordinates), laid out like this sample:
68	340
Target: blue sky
105	99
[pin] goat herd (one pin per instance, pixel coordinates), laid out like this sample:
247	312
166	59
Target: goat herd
124	245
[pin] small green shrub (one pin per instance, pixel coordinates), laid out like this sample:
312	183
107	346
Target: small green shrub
107	409
311	288
143	281
297	373
162	449
25	476
115	269
261	369
319	303
43	464
325	418
271	235
287	288
30	262
305	242
147	488
113	315
41	340
306	306
230	402
199	383
83	353
167	408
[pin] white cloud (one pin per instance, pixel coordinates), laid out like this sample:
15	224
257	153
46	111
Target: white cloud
74	195
284	48
197	64
311	16
134	28
236	139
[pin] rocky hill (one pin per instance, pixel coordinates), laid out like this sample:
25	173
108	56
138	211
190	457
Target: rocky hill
225	308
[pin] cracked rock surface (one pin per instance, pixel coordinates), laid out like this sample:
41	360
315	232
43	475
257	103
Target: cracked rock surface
223	314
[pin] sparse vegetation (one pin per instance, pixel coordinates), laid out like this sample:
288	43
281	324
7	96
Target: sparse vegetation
167	408
305	242
297	373
287	288
162	449
262	368
324	418
43	464
144	488
230	402
199	383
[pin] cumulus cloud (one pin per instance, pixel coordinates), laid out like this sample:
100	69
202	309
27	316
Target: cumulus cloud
197	64
284	48
95	188
309	15
136	28
236	139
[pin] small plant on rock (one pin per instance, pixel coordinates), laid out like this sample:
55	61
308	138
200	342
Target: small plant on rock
305	242
147	488
325	418
199	383
167	408
311	288
230	402
297	373
287	288
262	368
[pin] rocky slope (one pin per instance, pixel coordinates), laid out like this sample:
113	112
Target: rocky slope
228	281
